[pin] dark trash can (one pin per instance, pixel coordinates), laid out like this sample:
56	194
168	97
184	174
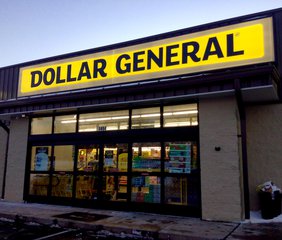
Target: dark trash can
270	204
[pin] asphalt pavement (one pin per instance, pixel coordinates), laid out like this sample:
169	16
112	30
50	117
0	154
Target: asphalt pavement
136	225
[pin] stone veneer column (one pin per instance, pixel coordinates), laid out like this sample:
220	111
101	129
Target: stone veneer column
220	170
3	143
16	160
264	141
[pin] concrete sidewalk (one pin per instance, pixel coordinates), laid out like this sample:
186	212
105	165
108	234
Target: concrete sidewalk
138	224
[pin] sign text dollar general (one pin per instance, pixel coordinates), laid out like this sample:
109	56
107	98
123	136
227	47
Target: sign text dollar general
235	45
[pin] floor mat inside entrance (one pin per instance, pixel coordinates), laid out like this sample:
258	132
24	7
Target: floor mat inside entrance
82	216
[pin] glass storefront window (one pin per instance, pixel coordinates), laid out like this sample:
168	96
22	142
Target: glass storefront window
38	184
176	190
104	121
88	158
173	116
63	158
115	188
146	189
115	157
146	157
65	124
180	157
40	158
62	185
86	187
146	118
180	115
122	188
41	125
100	164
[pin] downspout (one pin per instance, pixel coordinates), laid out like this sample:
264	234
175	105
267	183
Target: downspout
242	114
7	130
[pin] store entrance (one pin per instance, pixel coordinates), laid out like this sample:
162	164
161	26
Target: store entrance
139	160
102	172
131	175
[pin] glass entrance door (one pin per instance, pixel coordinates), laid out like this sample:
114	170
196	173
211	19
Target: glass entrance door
102	172
115	171
87	168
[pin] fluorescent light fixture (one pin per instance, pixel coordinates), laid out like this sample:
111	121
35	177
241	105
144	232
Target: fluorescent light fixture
110	149
150	115
145	125
88	130
120	117
147	149
110	128
146	115
185	112
103	119
177	124
97	119
181	113
68	121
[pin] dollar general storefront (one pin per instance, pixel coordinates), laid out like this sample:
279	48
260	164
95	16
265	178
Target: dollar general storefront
186	122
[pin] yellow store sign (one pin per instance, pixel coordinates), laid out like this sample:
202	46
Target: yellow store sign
235	45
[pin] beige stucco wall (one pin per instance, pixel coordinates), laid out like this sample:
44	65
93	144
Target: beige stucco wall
264	147
221	184
16	160
3	143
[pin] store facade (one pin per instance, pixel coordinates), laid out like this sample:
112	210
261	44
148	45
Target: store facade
165	124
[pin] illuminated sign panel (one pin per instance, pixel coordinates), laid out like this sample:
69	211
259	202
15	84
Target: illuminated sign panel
234	45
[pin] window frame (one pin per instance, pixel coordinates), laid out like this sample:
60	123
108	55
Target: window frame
129	136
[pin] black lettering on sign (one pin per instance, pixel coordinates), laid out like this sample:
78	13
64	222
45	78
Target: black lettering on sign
49	76
213	44
156	59
69	77
84	71
58	77
192	53
99	66
137	60
36	78
170	55
126	66
230	46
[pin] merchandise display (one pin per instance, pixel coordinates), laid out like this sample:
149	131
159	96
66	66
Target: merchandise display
141	164
146	158
88	159
176	190
39	184
62	186
85	187
115	158
179	158
146	189
115	188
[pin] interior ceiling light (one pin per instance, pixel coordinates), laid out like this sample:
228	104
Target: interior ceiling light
133	116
